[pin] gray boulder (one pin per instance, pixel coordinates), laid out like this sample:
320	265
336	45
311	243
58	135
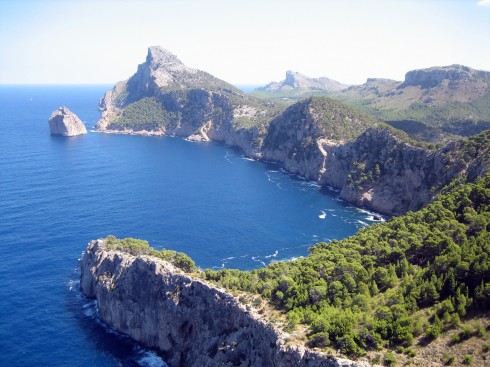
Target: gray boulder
66	123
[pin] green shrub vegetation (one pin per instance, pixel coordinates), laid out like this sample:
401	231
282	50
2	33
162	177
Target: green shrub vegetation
390	358
146	113
138	247
374	289
448	359
468	360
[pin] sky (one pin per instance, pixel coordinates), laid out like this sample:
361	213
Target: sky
242	42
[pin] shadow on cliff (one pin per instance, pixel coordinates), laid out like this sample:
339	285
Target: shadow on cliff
120	348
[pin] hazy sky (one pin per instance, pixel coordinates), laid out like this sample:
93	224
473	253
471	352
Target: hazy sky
249	41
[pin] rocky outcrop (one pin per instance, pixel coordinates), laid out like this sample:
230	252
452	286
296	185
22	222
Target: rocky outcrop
191	103
379	170
191	322
66	123
431	77
295	80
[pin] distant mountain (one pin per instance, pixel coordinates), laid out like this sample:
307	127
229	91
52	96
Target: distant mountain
319	138
430	104
435	104
297	86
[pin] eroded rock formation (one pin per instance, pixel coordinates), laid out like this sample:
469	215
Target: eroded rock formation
66	123
191	322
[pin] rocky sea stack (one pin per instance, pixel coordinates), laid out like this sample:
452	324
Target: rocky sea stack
66	123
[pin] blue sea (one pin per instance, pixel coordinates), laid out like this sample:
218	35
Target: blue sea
57	194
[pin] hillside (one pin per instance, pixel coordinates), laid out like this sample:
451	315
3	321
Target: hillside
412	291
374	165
435	104
166	97
405	283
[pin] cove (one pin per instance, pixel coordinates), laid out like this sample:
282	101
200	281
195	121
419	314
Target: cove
59	193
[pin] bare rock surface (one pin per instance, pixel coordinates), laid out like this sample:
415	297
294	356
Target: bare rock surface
191	322
66	123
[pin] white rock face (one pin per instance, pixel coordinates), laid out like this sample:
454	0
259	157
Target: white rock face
191	322
66	123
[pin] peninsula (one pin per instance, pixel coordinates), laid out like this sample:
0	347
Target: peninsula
373	164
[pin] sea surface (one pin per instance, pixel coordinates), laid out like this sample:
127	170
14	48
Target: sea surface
58	193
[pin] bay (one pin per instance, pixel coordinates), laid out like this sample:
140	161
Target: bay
57	194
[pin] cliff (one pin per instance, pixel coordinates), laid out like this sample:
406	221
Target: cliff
66	123
191	322
374	166
318	138
166	97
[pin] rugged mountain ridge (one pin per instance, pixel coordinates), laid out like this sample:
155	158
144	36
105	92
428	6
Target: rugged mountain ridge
166	97
300	82
191	322
318	138
434	104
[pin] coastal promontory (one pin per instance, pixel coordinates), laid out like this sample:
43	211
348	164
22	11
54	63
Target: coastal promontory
66	123
152	297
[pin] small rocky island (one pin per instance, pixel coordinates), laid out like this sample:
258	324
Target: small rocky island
66	123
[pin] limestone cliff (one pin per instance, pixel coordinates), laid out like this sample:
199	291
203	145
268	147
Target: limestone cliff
385	173
318	138
164	96
66	123
380	170
191	322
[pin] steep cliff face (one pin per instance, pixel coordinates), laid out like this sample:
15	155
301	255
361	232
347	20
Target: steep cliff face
386	173
66	123
295	137
318	138
190	321
378	170
166	97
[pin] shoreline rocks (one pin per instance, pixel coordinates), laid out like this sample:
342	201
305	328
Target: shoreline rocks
66	123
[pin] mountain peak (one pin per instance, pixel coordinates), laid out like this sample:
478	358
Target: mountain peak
295	80
160	56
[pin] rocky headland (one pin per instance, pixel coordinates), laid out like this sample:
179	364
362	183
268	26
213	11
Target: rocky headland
319	138
190	321
66	123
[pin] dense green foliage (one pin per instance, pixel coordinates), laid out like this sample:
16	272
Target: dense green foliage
424	121
336	120
140	247
146	113
300	125
414	275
